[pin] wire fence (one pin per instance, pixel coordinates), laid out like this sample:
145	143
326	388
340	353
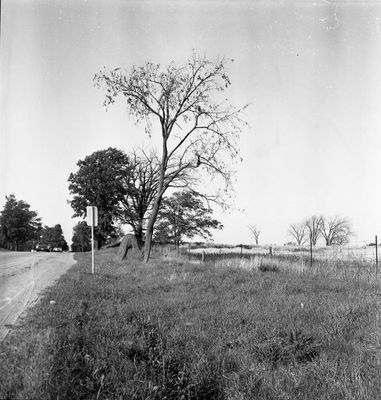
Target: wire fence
358	259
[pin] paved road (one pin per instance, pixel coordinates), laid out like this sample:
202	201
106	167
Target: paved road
22	277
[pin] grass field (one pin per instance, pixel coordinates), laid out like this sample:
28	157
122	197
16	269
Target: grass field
181	330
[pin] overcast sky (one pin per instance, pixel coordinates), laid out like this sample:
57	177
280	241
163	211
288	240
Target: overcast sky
310	71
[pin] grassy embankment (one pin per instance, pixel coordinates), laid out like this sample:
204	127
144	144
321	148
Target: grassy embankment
176	330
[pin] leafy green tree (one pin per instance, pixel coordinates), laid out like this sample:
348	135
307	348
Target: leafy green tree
183	214
81	240
122	186
199	130
99	182
53	236
18	223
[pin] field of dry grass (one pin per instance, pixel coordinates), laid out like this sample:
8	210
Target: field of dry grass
335	261
361	253
178	329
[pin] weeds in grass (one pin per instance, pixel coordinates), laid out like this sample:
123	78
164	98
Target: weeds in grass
287	347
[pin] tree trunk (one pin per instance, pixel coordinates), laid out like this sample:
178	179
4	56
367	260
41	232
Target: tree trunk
128	243
160	192
139	235
149	231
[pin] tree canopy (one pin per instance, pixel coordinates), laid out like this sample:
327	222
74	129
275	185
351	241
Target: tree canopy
313	228
335	230
184	104
81	240
183	214
299	233
18	223
99	181
53	236
140	188
122	186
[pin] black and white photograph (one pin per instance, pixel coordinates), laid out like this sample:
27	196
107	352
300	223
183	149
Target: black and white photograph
190	199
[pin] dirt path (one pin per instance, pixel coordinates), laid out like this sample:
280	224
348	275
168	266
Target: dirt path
22	277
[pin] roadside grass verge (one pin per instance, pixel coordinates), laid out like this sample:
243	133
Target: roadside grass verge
176	330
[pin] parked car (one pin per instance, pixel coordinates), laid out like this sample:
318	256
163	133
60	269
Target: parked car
43	247
57	249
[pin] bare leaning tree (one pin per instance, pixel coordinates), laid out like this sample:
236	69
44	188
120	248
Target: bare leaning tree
199	129
255	232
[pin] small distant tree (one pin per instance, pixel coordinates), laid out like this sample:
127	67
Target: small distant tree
335	230
53	236
18	223
183	214
313	228
298	232
81	240
255	232
197	126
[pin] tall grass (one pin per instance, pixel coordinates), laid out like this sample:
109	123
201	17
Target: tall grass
180	330
351	268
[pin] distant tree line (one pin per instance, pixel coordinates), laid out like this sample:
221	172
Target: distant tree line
21	228
81	237
334	230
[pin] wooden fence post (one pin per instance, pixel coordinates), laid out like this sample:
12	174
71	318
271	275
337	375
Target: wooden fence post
311	251
376	252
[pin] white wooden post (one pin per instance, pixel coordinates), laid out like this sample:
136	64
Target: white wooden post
92	250
92	220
